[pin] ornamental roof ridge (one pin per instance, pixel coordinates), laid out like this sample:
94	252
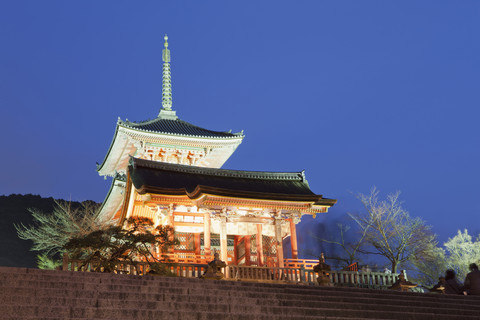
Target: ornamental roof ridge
177	127
228	173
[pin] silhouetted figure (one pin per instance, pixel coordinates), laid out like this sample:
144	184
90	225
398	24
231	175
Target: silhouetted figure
440	286
472	281
451	284
402	284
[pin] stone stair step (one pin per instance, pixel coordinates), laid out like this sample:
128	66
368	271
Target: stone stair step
167	281
265	313
40	294
213	316
441	301
147	283
252	298
131	300
286	308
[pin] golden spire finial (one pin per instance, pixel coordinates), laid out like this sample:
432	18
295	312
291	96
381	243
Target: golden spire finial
166	42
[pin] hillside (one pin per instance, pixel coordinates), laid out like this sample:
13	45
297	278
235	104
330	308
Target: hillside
15	252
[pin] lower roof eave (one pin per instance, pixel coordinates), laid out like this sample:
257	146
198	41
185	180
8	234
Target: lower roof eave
181	196
325	202
235	194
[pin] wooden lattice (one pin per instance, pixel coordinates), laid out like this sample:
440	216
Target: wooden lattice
253	245
187	242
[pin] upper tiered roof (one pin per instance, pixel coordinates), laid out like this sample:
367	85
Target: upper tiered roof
167	131
176	127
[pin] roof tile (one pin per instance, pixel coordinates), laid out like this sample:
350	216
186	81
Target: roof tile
177	126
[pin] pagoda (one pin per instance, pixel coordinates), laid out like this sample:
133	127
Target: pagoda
168	170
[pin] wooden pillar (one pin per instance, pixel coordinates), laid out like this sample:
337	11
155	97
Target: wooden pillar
235	250
197	243
131	203
223	239
279	241
246	241
259	246
171	220
206	233
293	239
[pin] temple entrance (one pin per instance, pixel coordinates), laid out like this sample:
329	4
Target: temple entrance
241	250
251	252
215	246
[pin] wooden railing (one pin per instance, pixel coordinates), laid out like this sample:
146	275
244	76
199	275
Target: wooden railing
264	274
361	279
188	258
140	268
378	280
187	271
352	267
298	263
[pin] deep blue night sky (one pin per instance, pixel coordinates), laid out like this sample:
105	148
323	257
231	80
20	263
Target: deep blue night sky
357	93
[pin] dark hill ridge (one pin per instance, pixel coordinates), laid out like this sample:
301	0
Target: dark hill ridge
15	252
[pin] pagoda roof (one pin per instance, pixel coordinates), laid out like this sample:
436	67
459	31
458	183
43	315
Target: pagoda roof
176	127
170	130
174	179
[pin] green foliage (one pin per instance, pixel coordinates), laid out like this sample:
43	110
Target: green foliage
13	210
429	266
461	251
108	247
45	262
50	232
456	254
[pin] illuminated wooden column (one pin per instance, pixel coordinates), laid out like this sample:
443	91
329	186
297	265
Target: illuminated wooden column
293	239
279	241
223	239
131	203
246	241
206	233
197	243
171	219
259	245
235	250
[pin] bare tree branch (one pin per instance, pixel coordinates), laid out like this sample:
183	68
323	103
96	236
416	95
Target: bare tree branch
51	231
389	229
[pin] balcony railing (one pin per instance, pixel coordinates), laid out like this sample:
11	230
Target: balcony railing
301	272
298	263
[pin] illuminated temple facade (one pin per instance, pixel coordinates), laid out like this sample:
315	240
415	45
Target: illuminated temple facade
168	170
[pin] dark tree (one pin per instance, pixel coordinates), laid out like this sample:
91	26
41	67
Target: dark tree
133	244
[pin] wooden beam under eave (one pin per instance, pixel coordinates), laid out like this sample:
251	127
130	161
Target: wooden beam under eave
187	224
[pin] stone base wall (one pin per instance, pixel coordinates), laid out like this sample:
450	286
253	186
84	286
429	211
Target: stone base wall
29	294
